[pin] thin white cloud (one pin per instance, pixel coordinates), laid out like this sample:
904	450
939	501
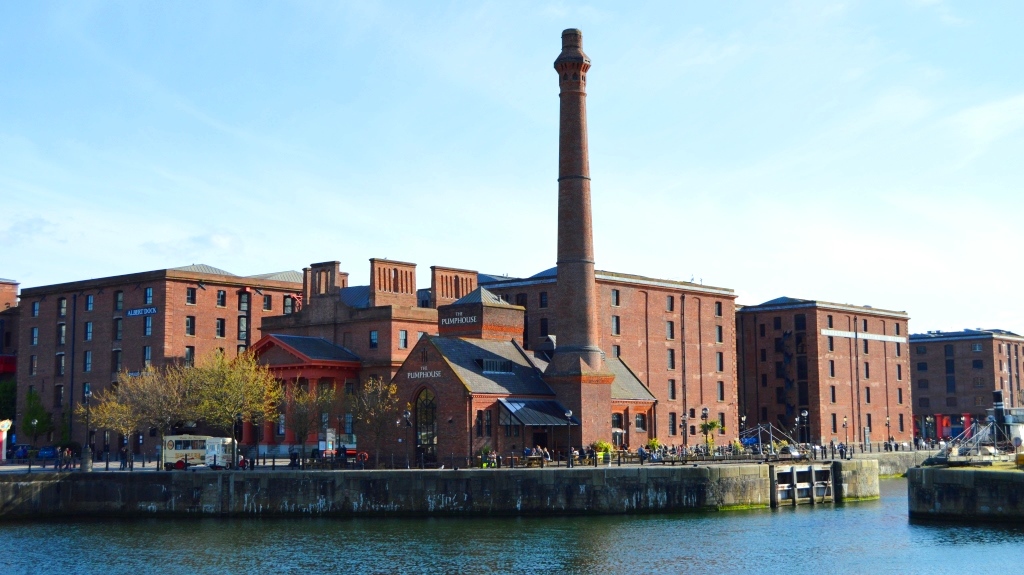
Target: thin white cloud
983	125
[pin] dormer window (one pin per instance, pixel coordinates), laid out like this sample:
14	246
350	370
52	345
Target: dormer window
496	366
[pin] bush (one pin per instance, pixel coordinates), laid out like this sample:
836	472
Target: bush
601	446
653	444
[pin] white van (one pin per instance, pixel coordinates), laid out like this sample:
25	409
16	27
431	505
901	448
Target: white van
219	451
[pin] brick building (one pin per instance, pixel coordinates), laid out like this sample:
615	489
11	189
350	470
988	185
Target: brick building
847	366
81	334
955	374
8	326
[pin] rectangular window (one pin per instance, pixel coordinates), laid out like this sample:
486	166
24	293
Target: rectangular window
721	423
190	355
115	361
118	329
87	361
88	331
58	396
268	303
977	364
641	422
615	325
62	307
720	361
764	414
832	393
865	344
800	322
35	309
671	423
764	380
487	423
922	384
62	332
190	296
543	299
243	302
899	372
764	354
760	329
869	421
719	334
616	351
899	395
190	325
718	309
867	395
671	359
950	368
89	301
479	423
950	384
33	364
948	350
901	422
240	349
831	368
721	391
403	340
670	330
828	321
831	344
35	336
147	325
896	326
921	350
975	347
373	339
670	303
867	370
243	327
671	389
147	355
222	298
922	366
118	300
148	297
543	327
899	351
924	402
864	325
835	427
222	327
288	305
777	323
615	297
780	369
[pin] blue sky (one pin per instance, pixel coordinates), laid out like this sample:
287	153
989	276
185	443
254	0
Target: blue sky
863	153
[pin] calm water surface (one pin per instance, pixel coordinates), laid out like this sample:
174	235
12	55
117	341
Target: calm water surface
873	537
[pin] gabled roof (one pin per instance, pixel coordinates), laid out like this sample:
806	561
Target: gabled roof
315	348
627	386
481	295
782	303
964	334
466	356
203	269
290	276
538	412
786	301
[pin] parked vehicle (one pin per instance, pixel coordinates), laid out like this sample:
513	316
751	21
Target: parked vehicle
219	451
181	451
47	452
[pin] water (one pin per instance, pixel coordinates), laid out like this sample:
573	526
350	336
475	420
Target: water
871	537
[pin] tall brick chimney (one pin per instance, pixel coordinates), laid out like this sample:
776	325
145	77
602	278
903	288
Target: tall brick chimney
576	371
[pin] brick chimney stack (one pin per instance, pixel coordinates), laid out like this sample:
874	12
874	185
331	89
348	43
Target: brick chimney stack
577	372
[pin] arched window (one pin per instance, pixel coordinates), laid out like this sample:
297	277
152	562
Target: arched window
426	426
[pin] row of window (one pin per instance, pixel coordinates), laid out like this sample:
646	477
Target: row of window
951	366
948	350
403	338
900	423
191	297
220	327
800	324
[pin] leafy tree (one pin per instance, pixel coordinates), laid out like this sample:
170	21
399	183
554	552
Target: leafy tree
8	397
376	405
305	410
34	411
119	408
707	428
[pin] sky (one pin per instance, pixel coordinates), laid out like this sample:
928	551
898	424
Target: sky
855	152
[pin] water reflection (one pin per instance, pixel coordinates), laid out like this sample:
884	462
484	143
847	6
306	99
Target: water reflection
873	537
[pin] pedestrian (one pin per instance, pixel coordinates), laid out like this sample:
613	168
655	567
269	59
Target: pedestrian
124	457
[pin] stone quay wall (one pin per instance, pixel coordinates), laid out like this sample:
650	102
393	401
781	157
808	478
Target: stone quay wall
469	492
896	463
966	494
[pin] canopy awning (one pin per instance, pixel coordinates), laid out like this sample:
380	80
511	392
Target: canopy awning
538	412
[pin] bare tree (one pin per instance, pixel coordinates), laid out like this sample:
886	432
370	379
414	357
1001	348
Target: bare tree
305	411
376	405
121	408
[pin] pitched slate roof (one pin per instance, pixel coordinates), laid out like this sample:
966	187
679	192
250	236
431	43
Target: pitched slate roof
356	296
627	386
481	295
203	269
538	412
466	355
316	348
285	276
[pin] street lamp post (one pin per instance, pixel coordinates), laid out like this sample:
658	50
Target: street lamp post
704	428
929	422
35	422
408	426
846	432
807	426
87	450
888	434
568	437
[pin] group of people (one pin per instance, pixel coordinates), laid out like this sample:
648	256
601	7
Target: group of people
538	451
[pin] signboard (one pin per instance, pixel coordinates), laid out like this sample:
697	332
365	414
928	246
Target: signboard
141	311
422	374
458	318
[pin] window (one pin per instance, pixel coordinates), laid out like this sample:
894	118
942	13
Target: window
867	370
921	350
33	364
764	380
800	322
373	339
828	321
672	423
780	395
59	365
671	389
62	332
115	360
950	384
720	361
979	382
222	328
268	303
148	296
835	427
87	361
543	327
243	302
975	347
616	351
641	422
899	372
615	297
89	301
864	326
88	331
190	325
243	327
761	330
896	326
764	354
832	393
901	422
721	391
616	328
35	309
899	351
780	369
899	395
190	296
240	349
190	355
922	384
948	350
35	336
670	330
147	325
147	355
867	395
922	366
671	359
719	334
543	299
118	300
718	309
118	329
776	323
288	305
831	368
521	299
670	303
222	298
869	422
403	340
487	423
977	364
479	423
62	307
58	396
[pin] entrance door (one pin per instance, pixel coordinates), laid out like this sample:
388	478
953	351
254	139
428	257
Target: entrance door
540	438
426	427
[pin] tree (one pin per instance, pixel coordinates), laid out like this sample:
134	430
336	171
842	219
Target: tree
35	412
233	391
120	408
305	411
376	405
8	397
707	428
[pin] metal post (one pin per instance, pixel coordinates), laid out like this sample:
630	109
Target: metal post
568	438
